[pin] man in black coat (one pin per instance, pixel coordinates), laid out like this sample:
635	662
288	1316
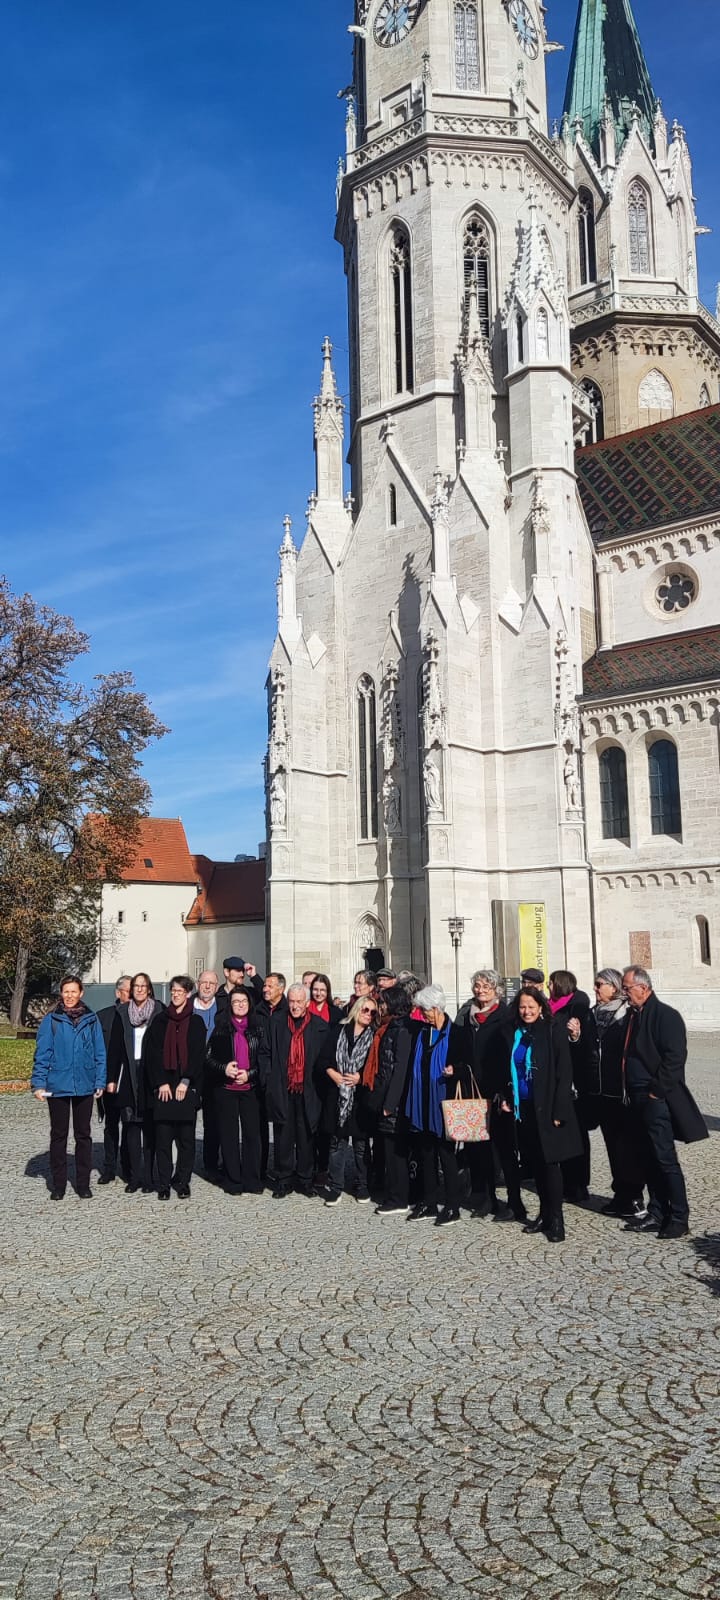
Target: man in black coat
294	1053
654	1067
274	1000
108	1108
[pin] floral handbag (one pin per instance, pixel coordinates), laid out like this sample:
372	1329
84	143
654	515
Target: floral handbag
466	1121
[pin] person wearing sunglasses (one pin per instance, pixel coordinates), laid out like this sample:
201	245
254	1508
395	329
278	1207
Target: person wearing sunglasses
353	1046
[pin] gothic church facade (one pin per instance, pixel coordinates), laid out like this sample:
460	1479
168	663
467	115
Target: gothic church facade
437	750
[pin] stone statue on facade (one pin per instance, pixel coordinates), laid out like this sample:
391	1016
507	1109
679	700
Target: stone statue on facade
278	801
431	785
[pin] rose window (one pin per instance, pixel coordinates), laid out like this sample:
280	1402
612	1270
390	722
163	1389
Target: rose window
676	592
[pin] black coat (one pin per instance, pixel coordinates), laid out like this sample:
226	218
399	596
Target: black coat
354	1126
456	1058
156	1074
377	1108
129	1074
221	1050
273	1064
659	1041
478	1045
552	1084
253	989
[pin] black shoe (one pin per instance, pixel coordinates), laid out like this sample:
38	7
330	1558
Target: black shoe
625	1209
163	1194
421	1213
106	1177
130	1188
280	1192
504	1214
183	1191
535	1227
578	1197
447	1215
674	1230
84	1194
648	1224
387	1209
555	1231
306	1190
57	1194
484	1209
147	1188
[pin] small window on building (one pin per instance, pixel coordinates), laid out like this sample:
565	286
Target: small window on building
144	916
392	506
401	286
639	229
121	916
614	807
520	336
676	592
655	397
664	779
199	966
704	396
476	268
148	861
586	236
596	431
703	929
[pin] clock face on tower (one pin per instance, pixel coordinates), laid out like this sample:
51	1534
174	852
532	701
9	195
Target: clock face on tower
394	20
524	26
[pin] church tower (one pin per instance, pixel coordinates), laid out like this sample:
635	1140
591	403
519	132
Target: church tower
643	346
423	770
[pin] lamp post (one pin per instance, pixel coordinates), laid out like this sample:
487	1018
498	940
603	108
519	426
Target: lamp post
456	929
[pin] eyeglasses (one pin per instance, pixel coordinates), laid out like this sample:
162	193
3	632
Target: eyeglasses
367	1011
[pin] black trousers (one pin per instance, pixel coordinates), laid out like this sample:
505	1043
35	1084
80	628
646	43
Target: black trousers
576	1173
238	1109
264	1126
484	1168
626	1148
184	1135
429	1150
111	1136
547	1174
396	1145
668	1195
294	1144
211	1126
138	1150
505	1140
81	1106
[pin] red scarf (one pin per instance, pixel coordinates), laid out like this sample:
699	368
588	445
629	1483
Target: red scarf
320	1011
372	1065
296	1055
175	1048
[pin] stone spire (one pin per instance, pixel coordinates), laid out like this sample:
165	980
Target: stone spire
608	64
329	433
534	268
288	620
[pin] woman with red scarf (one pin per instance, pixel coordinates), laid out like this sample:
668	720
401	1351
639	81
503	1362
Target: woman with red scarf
175	1053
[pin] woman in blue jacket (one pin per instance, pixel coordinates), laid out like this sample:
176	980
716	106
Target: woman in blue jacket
69	1072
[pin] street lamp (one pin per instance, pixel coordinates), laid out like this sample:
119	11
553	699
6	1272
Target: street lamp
456	929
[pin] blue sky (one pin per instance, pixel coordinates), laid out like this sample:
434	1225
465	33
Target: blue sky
167	275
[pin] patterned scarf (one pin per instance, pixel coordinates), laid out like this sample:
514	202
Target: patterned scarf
140	1015
296	1055
350	1060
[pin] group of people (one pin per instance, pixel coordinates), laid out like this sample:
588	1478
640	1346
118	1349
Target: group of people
357	1093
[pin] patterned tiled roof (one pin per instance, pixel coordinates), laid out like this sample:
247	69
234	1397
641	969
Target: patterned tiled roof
653	665
655	476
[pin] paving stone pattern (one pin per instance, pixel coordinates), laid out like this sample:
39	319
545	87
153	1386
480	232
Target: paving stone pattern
240	1397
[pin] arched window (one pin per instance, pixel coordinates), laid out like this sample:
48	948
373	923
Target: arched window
596	431
704	396
392	506
476	268
614	807
542	335
703	936
467	45
665	811
367	758
639	229
520	336
586	236
401	285
655	397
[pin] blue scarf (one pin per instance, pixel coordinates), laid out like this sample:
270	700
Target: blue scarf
521	1069
439	1043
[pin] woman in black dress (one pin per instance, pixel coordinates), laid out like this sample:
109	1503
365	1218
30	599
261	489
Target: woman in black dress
233	1062
175	1054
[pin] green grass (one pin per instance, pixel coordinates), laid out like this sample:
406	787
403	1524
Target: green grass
16	1058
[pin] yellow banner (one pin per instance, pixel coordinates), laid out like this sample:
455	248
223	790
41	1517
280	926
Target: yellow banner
532	936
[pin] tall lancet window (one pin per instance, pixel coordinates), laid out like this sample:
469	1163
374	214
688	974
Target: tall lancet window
586	236
367	758
476	268
467	45
639	229
401	285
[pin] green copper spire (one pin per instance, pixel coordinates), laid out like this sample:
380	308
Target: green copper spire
608	64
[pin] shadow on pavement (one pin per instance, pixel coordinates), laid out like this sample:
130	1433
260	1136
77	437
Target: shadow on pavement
708	1249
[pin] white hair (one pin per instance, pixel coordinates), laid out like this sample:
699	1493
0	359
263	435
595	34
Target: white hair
431	998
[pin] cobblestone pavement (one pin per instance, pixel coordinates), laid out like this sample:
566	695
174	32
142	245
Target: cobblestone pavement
237	1397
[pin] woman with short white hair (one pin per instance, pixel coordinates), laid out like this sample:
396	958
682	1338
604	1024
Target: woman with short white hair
436	1067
